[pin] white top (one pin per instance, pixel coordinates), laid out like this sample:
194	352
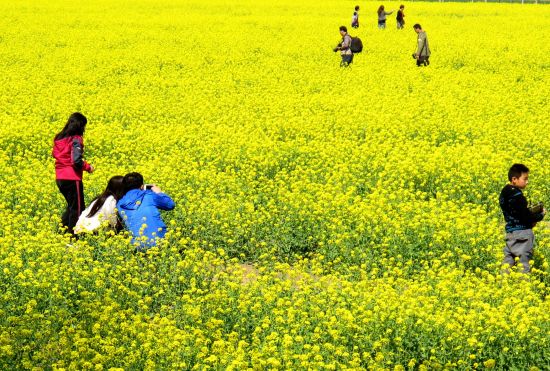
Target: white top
106	212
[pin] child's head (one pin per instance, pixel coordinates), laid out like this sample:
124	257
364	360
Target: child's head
518	175
343	30
402	7
356	8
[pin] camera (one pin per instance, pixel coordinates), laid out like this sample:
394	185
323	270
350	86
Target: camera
414	55
149	186
537	208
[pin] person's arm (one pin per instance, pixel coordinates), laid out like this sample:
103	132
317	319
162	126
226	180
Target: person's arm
110	212
162	200
388	13
518	204
76	156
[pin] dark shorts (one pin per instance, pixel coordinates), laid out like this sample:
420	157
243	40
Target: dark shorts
346	60
422	61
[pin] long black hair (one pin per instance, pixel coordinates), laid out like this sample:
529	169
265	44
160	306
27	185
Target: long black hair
75	126
114	188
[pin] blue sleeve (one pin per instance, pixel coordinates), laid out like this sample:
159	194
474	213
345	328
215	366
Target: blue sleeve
163	201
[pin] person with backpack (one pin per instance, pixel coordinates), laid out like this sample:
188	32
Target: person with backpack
422	54
400	18
355	18
68	151
345	47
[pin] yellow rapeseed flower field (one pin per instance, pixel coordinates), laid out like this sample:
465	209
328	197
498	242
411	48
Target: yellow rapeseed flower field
326	218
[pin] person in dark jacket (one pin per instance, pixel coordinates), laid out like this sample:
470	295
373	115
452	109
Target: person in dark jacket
139	209
400	18
68	151
519	219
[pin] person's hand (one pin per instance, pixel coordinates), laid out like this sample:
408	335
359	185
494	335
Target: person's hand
543	211
92	169
156	189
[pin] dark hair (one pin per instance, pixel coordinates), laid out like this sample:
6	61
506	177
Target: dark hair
343	28
114	188
132	181
356	7
516	170
381	9
401	6
417	26
75	126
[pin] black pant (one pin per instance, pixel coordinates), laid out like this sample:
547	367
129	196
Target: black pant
73	191
347	59
422	61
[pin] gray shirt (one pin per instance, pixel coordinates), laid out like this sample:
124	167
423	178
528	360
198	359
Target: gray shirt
423	48
346	44
382	15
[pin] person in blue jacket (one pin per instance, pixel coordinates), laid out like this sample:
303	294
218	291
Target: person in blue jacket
139	209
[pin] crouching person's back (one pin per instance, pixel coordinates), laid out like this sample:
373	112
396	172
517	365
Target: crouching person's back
139	209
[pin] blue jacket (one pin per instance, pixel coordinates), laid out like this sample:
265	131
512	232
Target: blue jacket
141	207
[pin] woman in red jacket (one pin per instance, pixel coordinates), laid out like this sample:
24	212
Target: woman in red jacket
68	150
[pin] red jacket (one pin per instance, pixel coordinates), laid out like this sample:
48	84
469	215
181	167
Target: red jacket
69	163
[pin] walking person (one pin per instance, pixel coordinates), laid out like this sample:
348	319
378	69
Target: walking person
345	47
519	219
382	17
68	151
355	18
422	54
400	18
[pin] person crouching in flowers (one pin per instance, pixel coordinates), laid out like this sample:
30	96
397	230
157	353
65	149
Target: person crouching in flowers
519	219
68	151
102	208
139	209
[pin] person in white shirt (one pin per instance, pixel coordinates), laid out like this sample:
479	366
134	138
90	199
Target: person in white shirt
355	18
102	208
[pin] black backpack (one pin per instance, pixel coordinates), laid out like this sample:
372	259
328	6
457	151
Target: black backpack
356	45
